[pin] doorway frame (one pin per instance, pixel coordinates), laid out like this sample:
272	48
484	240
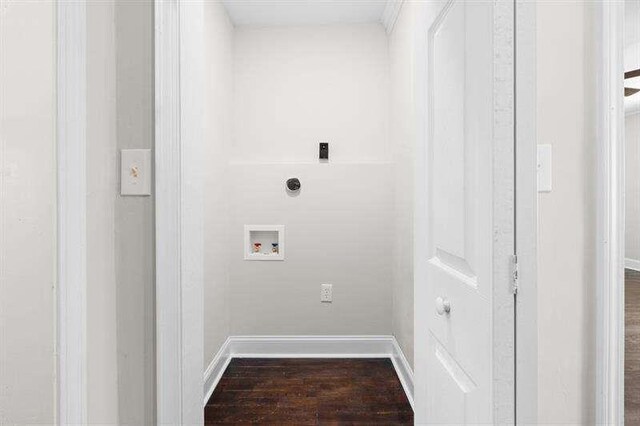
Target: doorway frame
610	244
179	282
526	209
71	213
179	77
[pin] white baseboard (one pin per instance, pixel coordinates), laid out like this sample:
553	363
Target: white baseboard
216	369
403	370
309	347
632	264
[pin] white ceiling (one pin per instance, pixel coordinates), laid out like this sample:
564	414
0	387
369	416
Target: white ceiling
304	12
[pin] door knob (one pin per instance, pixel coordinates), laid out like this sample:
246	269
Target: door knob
443	306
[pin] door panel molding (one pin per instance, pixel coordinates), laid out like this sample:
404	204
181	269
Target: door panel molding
468	228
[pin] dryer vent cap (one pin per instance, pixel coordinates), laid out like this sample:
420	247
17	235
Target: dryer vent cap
293	184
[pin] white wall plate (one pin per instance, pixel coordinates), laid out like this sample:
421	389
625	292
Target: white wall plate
135	172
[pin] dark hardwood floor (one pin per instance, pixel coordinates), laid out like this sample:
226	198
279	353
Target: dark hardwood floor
632	348
309	392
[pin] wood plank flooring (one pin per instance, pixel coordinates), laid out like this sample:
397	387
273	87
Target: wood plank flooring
632	348
309	392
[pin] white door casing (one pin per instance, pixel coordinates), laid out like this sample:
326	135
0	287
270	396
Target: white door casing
468	219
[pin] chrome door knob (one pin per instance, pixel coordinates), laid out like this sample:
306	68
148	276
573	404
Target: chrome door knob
443	306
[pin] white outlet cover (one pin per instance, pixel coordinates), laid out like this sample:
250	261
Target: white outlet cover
135	172
326	293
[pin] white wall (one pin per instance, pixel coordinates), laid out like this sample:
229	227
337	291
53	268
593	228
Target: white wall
297	86
632	182
294	87
402	137
338	231
120	240
27	212
218	41
102	184
134	217
566	313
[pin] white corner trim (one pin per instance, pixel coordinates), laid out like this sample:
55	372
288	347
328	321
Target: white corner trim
632	264
526	216
391	13
215	370
168	203
309	347
403	370
179	77
609	36
72	213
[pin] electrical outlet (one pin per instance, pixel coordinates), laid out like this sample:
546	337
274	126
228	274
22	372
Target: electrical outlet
326	291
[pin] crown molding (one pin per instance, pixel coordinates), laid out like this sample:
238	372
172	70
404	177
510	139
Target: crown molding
391	13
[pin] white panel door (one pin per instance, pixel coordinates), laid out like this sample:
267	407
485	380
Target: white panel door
466	293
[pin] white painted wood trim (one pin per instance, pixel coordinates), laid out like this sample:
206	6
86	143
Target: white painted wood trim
403	370
391	13
309	347
192	102
168	200
215	370
632	264
72	213
504	213
610	234
179	246
526	215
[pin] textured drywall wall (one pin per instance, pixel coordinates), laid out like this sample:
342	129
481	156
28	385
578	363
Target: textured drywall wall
27	212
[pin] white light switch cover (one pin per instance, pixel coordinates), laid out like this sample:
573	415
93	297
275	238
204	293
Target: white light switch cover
544	168
135	172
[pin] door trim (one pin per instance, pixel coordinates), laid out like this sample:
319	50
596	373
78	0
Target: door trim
71	286
609	66
526	215
179	78
524	393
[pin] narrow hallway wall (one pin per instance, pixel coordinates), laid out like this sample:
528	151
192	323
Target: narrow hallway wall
27	212
219	81
567	221
102	193
402	136
135	224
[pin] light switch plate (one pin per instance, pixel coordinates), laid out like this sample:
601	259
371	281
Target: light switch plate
544	168
135	172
